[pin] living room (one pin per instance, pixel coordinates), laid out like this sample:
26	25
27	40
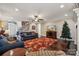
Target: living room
38	23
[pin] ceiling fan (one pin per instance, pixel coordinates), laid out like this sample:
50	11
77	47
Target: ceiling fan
36	18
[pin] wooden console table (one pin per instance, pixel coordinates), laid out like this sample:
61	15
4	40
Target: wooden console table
51	34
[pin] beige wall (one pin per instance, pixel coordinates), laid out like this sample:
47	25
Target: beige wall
43	29
71	26
59	25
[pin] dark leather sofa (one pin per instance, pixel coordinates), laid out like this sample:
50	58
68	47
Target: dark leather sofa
4	46
28	35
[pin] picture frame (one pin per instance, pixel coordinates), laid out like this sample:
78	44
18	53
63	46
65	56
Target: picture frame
33	27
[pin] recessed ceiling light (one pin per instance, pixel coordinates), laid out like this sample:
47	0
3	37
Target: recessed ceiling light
16	9
61	6
66	15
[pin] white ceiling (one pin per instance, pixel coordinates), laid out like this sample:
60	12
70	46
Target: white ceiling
48	11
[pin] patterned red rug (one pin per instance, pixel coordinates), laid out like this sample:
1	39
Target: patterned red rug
39	43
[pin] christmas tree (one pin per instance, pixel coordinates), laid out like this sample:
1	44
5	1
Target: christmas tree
66	32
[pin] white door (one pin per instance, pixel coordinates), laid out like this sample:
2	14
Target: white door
12	27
